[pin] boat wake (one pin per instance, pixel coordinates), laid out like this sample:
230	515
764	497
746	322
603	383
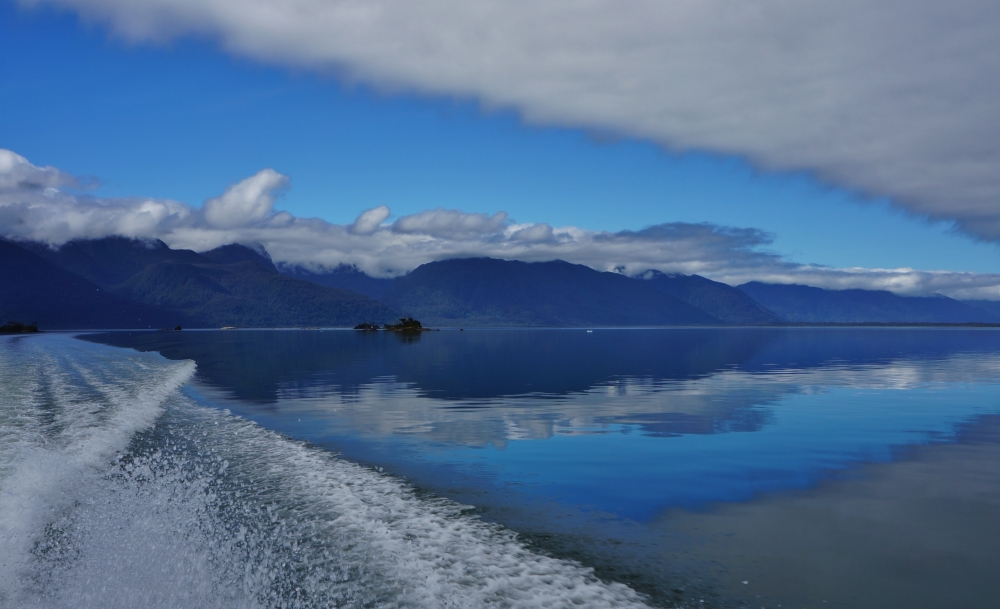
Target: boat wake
119	490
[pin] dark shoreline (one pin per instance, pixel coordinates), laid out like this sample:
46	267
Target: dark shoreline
971	325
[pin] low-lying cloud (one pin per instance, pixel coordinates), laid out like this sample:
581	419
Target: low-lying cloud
893	98
451	224
40	204
17	174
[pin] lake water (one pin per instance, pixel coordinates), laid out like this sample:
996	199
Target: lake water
757	467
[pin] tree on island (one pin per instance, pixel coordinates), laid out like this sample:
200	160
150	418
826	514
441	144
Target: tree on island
16	327
406	324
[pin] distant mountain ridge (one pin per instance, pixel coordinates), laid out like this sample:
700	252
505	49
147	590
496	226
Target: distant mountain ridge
990	306
33	289
487	291
801	303
231	285
343	277
755	303
722	301
117	282
725	304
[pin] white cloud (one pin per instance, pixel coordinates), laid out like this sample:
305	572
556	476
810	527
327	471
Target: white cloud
451	224
904	281
369	221
246	202
16	173
245	215
532	233
893	98
33	207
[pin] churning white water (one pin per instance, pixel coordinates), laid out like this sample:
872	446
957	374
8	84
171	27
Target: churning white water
117	490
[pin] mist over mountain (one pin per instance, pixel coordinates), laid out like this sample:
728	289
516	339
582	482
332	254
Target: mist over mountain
800	303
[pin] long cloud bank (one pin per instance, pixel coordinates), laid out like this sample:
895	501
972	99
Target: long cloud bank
45	204
892	98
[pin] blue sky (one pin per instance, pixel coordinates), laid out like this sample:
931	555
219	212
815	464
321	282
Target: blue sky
184	119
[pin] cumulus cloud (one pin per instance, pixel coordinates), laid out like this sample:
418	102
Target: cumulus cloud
451	224
33	207
532	233
369	221
244	214
16	173
246	202
891	98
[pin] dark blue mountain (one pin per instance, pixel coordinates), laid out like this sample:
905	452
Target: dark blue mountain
249	294
230	285
724	302
118	282
235	253
109	261
490	292
33	289
990	306
719	300
343	277
800	303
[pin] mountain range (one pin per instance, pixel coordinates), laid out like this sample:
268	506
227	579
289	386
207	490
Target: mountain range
490	292
801	303
117	282
477	291
123	283
35	290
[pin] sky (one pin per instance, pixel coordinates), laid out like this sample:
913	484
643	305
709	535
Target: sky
847	144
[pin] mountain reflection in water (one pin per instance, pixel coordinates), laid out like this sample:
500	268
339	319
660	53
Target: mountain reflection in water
685	381
635	451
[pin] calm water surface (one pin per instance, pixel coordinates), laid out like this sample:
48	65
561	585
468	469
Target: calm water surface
755	467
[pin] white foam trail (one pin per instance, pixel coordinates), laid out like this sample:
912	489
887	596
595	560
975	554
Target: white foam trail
61	422
437	556
208	510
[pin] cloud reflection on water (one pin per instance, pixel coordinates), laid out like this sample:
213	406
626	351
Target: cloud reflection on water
482	388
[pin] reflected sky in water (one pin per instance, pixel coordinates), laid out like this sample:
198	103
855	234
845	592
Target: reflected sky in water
606	433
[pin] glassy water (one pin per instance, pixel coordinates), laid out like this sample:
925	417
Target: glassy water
693	467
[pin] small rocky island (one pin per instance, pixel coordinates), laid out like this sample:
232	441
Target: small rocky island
16	327
406	325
